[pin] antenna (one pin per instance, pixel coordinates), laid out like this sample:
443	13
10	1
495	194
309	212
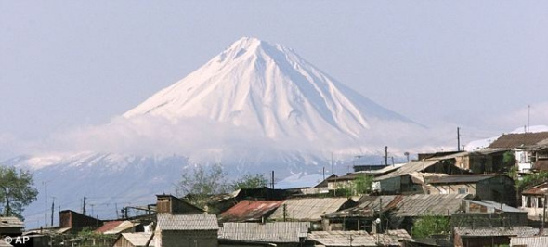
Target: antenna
458	138
528	114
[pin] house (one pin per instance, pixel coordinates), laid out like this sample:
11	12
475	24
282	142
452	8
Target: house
539	157
477	162
250	211
408	178
309	209
360	217
489	236
186	230
10	226
168	204
286	234
134	239
220	203
521	145
499	188
394	212
488	214
533	200
76	221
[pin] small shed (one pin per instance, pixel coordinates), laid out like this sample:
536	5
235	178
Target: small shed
186	230
10	226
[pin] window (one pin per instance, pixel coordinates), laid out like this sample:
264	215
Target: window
528	201
540	203
463	190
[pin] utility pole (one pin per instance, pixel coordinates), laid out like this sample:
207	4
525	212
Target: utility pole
272	181
52	210
458	138
84	209
528	113
386	155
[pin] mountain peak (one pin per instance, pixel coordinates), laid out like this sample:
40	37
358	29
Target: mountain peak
259	86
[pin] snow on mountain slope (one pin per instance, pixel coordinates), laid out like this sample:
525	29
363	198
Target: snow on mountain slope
269	89
255	108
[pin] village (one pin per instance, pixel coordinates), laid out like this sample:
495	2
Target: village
494	196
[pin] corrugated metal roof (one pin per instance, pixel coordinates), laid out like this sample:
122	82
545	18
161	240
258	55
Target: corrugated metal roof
278	232
455	179
308	209
138	238
416	205
249	211
343	238
187	222
411	167
366	207
10	221
498	206
524	231
537	241
511	141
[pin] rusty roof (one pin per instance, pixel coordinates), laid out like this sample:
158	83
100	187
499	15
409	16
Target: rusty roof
249	211
442	204
524	231
511	141
540	189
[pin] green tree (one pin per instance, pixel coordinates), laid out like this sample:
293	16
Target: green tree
429	225
16	190
250	181
363	184
198	184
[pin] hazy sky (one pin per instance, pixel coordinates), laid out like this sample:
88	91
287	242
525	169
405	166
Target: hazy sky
475	64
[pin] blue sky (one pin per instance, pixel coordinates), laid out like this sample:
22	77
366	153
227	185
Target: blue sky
67	64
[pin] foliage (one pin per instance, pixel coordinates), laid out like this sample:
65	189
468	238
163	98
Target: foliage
198	184
16	190
531	179
513	172
363	184
429	225
250	181
508	158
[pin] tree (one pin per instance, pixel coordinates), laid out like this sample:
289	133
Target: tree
16	190
198	184
429	225
363	184
250	181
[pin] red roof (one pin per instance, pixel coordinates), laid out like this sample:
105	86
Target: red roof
109	226
249	211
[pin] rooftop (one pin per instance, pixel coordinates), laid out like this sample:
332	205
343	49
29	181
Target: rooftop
524	231
138	238
278	232
457	179
250	211
308	209
187	222
511	141
10	221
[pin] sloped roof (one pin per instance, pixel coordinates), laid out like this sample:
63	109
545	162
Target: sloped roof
138	238
308	209
366	207
10	221
187	222
115	227
524	231
536	241
456	179
540	189
249	211
498	206
342	238
511	141
417	205
411	167
278	232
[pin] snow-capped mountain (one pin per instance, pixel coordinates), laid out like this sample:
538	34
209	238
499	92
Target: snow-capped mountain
256	107
270	90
